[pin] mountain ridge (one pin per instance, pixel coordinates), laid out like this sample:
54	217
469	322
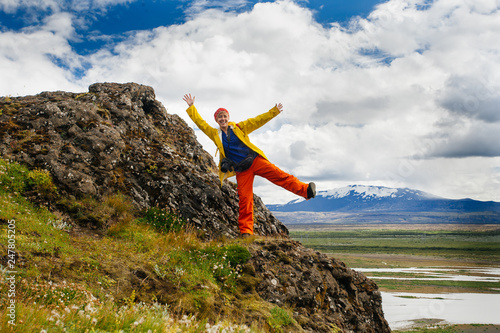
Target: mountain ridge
366	198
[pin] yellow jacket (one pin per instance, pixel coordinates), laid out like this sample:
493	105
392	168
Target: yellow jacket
241	129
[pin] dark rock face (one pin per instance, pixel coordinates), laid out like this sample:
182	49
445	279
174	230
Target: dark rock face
119	138
322	290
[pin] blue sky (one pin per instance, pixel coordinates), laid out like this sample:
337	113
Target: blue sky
116	21
392	93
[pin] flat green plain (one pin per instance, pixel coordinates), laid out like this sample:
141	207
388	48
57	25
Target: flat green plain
418	246
476	244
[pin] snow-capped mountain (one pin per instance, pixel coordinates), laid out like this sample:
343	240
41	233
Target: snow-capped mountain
360	198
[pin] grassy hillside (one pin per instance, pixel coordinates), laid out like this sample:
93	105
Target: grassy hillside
146	273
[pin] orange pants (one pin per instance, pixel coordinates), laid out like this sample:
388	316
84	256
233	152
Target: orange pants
264	168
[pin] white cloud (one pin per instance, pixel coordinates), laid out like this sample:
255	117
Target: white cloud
31	60
199	6
11	6
384	101
471	97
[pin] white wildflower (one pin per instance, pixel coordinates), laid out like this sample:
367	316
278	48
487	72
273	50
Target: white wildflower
89	308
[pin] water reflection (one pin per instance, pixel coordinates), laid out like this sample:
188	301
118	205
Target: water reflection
403	309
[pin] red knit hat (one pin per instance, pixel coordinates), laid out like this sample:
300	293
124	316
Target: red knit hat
219	110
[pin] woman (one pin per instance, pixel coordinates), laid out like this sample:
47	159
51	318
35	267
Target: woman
240	157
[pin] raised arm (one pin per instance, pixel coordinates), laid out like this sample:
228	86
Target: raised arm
197	119
252	124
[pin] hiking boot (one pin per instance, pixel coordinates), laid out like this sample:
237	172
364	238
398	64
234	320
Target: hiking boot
311	191
245	235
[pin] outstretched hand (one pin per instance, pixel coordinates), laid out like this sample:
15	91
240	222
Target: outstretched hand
279	106
189	99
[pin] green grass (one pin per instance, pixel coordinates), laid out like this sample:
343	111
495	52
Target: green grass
479	245
279	319
400	285
163	220
139	271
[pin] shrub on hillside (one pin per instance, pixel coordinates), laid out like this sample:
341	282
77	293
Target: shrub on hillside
163	220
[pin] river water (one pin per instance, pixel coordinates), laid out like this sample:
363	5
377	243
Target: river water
403	310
